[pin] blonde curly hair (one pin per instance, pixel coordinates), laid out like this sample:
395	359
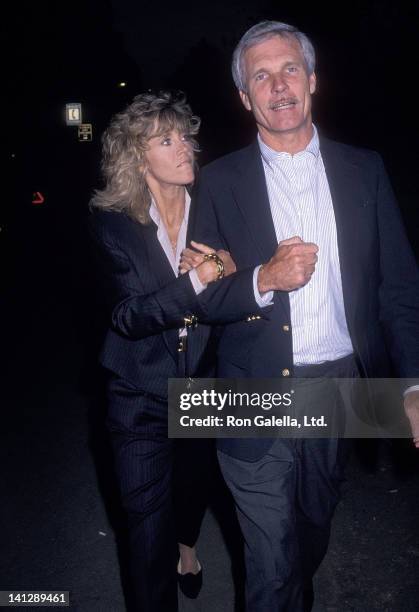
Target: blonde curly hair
124	144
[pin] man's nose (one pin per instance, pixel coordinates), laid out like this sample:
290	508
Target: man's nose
278	84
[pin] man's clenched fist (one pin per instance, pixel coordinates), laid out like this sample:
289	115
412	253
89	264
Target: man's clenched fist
290	268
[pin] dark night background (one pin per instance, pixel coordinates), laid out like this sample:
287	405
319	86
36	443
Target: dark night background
54	53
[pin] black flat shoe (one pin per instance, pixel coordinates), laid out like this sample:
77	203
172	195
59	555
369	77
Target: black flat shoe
190	584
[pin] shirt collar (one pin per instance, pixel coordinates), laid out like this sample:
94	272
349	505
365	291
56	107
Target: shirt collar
272	157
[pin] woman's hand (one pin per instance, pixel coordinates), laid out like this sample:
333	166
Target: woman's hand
207	270
191	259
229	265
194	258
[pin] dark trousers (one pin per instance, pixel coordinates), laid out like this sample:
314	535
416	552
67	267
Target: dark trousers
194	470
285	502
162	482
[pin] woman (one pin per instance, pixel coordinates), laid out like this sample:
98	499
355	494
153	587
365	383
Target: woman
139	222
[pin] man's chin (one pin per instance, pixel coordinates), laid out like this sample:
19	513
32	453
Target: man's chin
284	125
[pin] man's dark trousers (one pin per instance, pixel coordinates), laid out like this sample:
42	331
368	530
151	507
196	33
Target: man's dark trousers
285	502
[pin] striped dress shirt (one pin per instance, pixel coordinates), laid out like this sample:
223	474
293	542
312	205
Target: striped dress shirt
301	205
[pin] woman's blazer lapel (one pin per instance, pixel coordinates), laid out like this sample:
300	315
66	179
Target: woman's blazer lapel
160	273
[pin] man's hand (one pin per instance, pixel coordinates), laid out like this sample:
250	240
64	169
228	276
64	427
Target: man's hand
290	268
411	408
192	258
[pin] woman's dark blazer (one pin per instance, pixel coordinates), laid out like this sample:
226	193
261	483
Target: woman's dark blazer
148	304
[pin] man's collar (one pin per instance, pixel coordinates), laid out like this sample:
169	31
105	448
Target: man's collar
270	156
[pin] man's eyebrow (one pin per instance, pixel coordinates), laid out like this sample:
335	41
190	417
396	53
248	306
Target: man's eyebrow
291	62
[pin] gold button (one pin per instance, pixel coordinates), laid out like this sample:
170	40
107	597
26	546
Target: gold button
190	320
285	372
286	328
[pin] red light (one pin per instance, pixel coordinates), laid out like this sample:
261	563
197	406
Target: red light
37	198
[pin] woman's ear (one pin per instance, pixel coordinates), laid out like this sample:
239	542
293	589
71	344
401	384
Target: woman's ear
142	166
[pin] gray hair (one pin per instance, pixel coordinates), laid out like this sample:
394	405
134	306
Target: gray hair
125	142
259	33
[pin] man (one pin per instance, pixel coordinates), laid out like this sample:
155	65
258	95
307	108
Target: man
337	293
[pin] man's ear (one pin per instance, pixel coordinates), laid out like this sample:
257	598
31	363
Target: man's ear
245	99
313	82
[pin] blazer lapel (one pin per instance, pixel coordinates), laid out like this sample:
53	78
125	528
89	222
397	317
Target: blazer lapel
251	196
161	273
349	203
160	267
191	218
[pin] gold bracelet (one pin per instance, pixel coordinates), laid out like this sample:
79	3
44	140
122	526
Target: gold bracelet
218	262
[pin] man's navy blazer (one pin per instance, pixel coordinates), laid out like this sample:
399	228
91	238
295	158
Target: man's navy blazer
380	277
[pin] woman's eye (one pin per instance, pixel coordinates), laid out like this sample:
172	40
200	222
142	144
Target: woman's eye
166	141
260	76
186	138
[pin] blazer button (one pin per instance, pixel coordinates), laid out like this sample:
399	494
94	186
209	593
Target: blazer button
285	372
286	328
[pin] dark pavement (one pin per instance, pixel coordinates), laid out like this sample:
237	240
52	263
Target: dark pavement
57	534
